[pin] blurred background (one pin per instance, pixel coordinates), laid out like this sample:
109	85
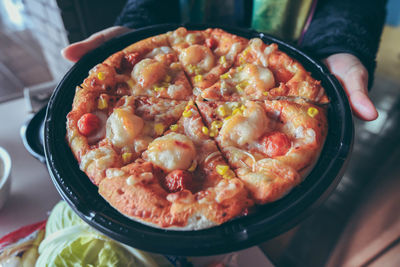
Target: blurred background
359	225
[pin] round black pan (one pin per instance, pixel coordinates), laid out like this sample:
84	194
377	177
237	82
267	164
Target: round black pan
267	222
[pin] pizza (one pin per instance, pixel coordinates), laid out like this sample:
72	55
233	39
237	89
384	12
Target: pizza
190	129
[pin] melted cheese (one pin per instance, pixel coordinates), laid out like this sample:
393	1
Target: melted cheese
193	126
245	129
269	49
227	190
114	172
171	152
257	77
233	51
159	50
199	56
194	38
178	36
123	126
265	78
256	45
101	132
141	143
102	158
148	72
175	90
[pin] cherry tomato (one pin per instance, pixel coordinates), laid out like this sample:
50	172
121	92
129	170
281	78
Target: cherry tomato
275	144
88	124
211	43
178	180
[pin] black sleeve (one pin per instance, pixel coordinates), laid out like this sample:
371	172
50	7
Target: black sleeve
140	13
344	26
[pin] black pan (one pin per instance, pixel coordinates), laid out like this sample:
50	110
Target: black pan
267	222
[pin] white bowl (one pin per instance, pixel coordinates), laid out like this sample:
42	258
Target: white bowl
5	176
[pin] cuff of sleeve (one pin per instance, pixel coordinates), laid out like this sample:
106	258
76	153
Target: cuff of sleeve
327	51
141	13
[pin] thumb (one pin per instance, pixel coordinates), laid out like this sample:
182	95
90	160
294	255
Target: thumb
359	100
354	78
75	51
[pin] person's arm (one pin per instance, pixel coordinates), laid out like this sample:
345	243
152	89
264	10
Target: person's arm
346	34
141	13
135	14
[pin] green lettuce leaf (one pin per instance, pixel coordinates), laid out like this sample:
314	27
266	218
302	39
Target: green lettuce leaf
69	241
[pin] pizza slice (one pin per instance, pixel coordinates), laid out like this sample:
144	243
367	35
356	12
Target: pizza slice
111	131
147	68
263	72
182	181
205	55
270	144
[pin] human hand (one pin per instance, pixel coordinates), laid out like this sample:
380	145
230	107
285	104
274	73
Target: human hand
75	51
352	74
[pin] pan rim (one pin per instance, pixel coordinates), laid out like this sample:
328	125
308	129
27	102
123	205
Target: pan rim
234	235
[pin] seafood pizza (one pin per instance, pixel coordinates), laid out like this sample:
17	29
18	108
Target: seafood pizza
190	129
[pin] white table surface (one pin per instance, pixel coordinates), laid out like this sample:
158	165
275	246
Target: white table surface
33	194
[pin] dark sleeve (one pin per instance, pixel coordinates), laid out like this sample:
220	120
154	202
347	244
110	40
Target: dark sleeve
140	13
344	26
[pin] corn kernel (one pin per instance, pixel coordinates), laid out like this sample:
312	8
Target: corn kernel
213	132
312	112
198	78
242	107
236	110
221	111
265	93
229	175
216	124
204	129
193	166
174	127
167	78
222	60
225	76
187	113
189	104
102	103
240	68
193	69
235	105
127	157
190	68
239	88
227	118
158	88
101	76
222	169
159	128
